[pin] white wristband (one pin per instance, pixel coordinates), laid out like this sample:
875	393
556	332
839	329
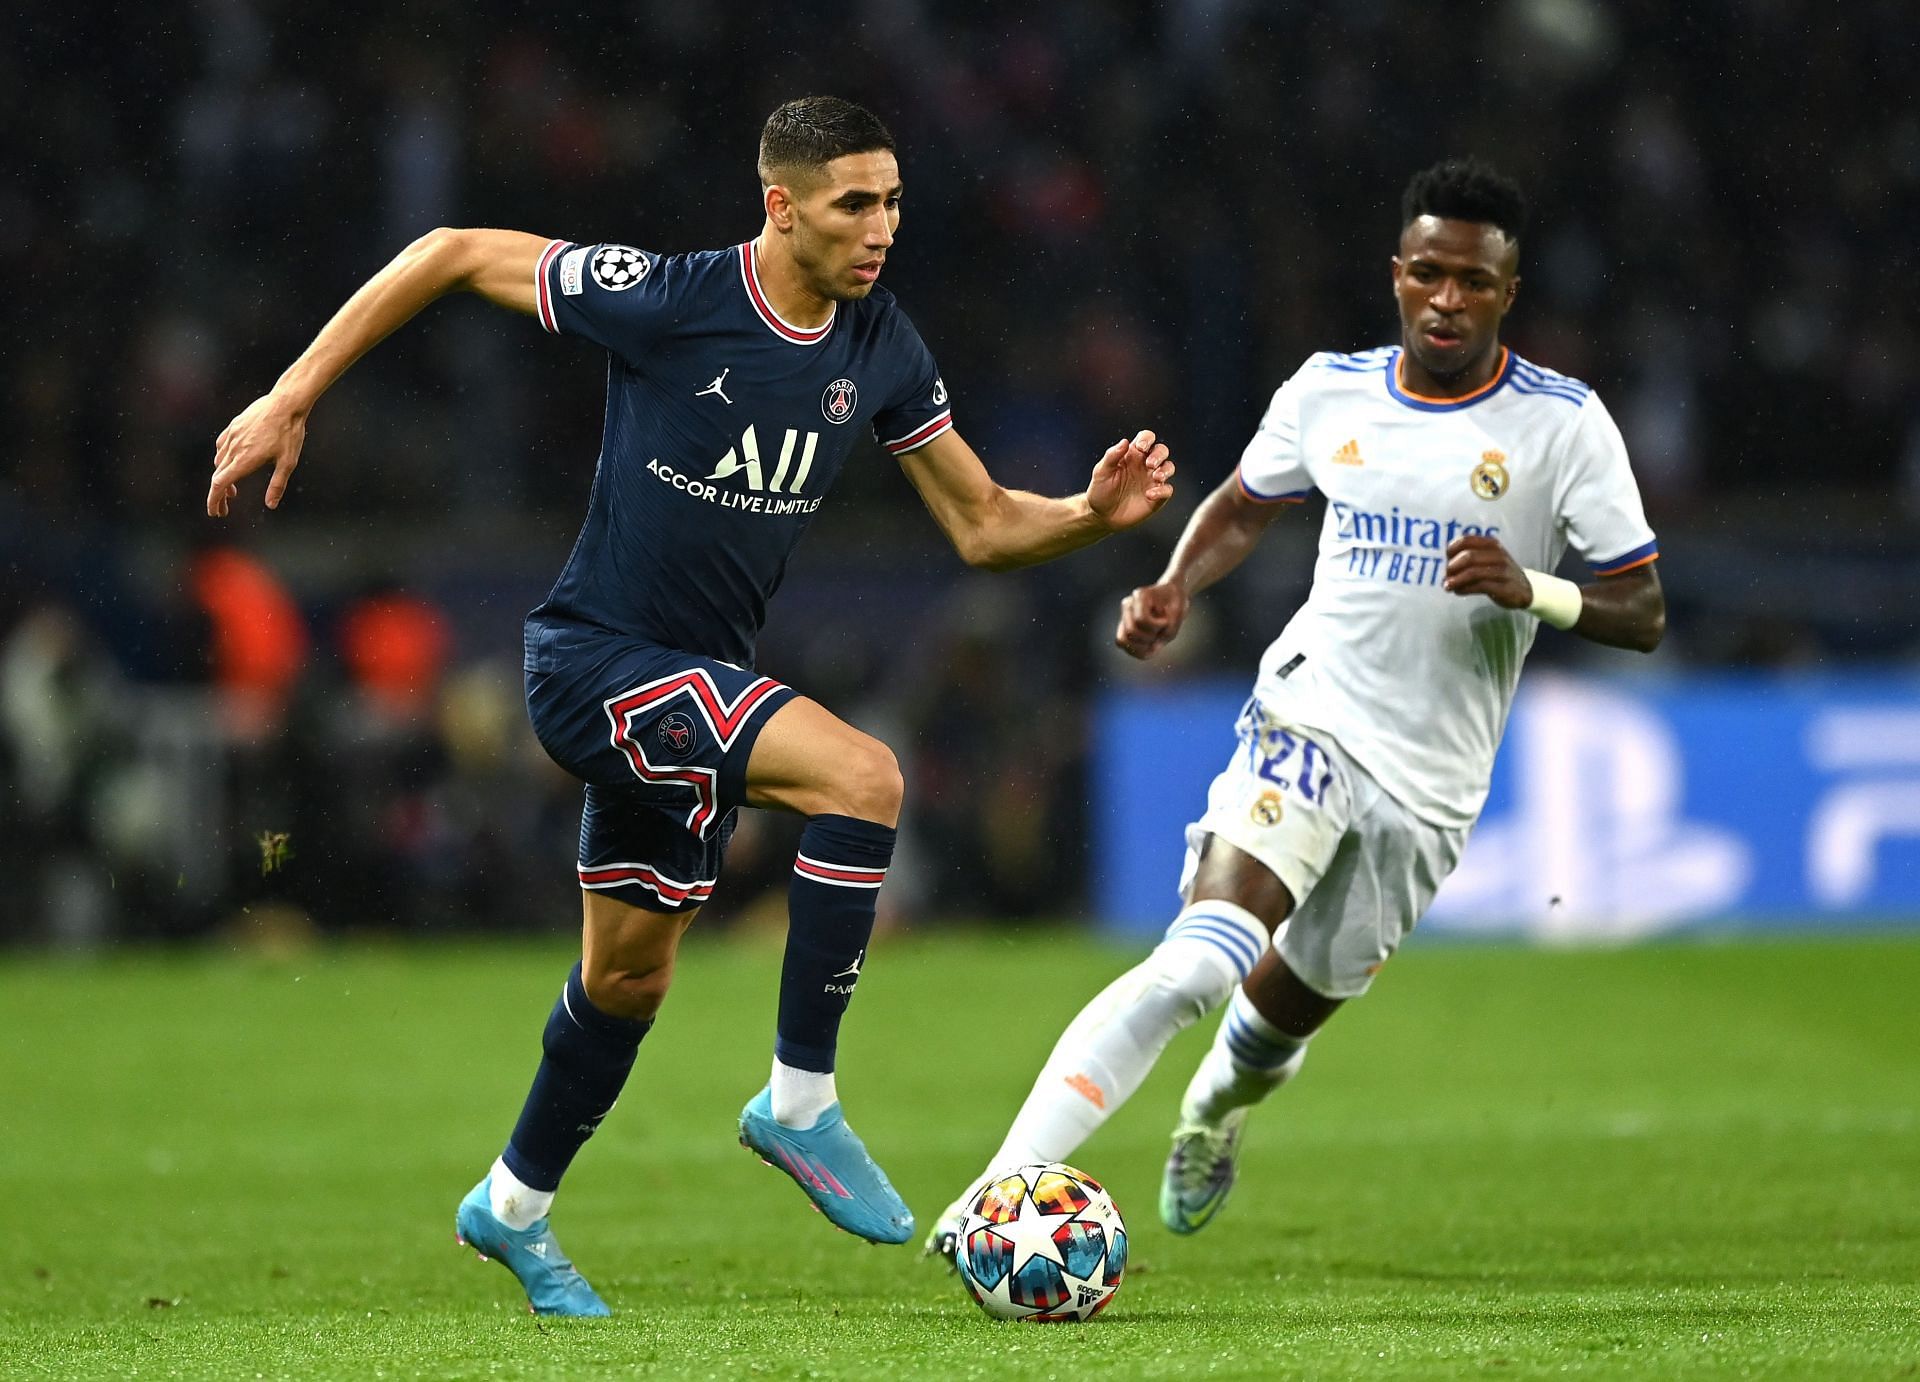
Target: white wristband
1555	601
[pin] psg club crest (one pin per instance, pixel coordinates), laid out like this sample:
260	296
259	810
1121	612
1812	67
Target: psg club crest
837	403
675	734
618	267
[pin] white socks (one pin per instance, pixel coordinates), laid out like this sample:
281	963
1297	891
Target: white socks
801	1096
515	1203
1107	1050
1249	1059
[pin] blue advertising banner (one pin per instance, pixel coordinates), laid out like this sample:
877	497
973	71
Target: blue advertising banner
1617	810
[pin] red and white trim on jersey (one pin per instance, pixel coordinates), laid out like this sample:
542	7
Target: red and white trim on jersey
725	719
839	875
779	325
542	286
921	435
668	890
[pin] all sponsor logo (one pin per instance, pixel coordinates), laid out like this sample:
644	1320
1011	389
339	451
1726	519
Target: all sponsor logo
838	401
790	470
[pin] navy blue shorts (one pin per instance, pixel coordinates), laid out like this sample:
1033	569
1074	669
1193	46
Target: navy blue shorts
661	737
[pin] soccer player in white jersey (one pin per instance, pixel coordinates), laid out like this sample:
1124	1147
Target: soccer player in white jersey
1456	475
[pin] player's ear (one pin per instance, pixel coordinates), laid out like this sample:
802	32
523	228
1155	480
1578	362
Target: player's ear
779	203
1513	291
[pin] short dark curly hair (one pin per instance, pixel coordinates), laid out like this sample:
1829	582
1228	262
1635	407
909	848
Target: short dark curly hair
1465	189
809	133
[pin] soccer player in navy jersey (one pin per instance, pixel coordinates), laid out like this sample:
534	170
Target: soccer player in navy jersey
738	381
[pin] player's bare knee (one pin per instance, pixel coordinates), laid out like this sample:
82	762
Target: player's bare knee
870	786
634	993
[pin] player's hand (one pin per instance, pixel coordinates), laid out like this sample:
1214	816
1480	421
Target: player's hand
269	431
1150	618
1479	565
1131	482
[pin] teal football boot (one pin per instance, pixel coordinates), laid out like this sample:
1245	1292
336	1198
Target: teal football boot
832	1166
532	1254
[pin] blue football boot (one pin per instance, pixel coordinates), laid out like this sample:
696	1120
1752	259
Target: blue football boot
553	1286
832	1166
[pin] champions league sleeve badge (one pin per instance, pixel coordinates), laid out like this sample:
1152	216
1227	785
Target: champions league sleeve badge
618	267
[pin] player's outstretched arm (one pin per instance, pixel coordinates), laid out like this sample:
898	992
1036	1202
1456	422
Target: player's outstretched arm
499	265
1624	611
999	529
1225	527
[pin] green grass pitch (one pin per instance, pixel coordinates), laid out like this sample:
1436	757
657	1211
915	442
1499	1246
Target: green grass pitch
1686	1160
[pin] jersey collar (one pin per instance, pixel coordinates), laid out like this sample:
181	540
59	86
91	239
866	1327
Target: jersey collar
780	326
1427	404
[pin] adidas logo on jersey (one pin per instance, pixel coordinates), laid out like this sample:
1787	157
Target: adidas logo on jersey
1349	455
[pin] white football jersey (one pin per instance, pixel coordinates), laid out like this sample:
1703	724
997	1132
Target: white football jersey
1413	681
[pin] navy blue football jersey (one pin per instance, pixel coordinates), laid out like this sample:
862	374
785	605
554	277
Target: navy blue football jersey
726	427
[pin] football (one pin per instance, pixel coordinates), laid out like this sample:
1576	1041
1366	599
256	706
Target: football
1042	1243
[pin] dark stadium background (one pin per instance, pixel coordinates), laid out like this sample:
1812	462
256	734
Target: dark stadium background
1117	216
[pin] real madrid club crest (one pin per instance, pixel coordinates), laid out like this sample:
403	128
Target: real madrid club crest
1267	810
837	403
1490	476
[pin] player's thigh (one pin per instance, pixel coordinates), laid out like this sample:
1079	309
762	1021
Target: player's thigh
1275	817
1381	881
810	761
667	725
1225	872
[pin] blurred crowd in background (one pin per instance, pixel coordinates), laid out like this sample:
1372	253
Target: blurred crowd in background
1117	215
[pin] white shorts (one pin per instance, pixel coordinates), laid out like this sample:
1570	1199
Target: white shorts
1361	867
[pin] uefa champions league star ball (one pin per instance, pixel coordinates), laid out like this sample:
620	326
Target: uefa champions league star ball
1042	1243
617	267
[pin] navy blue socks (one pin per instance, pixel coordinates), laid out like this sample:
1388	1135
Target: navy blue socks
830	903
588	1056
